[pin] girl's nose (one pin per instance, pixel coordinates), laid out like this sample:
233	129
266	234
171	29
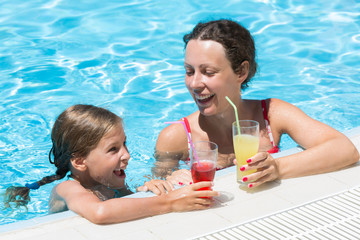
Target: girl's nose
124	155
124	161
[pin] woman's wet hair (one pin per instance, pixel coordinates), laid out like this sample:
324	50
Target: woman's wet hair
75	133
237	41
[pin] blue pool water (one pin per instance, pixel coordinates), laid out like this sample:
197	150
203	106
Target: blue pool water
127	56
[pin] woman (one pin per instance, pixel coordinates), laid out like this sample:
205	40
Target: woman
219	61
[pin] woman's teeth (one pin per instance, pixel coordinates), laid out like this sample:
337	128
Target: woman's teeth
204	97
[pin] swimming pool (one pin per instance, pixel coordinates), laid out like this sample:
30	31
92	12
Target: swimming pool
128	58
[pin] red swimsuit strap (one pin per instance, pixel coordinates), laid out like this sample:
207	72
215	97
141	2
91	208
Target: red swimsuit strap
186	121
275	148
187	125
263	104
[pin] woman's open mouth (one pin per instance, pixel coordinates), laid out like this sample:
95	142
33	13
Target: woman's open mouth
204	99
120	173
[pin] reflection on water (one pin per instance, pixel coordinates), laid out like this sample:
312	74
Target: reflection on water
127	56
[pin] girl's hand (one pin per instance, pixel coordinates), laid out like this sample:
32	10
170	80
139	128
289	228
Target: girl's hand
267	169
180	177
156	186
188	198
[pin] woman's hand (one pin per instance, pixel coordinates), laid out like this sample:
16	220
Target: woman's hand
180	177
156	186
267	169
188	198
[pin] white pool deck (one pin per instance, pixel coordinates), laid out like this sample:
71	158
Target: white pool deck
234	207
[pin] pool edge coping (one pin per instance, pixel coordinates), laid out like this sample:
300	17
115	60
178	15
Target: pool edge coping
23	224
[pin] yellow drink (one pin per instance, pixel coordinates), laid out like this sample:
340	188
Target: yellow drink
245	147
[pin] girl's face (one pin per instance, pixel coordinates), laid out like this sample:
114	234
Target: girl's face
107	162
209	76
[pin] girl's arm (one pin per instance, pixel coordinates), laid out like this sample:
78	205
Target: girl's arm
87	205
156	186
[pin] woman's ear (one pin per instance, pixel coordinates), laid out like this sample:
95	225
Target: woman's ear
78	163
243	71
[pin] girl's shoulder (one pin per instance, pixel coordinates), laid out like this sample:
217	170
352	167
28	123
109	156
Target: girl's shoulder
67	186
69	182
57	202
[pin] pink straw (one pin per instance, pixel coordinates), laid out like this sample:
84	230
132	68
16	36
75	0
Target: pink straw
188	135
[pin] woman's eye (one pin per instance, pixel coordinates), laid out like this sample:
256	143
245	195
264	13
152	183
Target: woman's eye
189	73
209	74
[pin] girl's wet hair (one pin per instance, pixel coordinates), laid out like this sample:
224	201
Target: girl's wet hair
237	41
75	133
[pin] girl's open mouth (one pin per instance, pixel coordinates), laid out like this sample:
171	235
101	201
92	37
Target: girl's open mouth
120	173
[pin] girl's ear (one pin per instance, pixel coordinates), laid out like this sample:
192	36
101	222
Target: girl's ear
243	71
78	163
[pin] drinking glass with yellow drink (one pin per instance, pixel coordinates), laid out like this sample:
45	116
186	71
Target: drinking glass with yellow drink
246	144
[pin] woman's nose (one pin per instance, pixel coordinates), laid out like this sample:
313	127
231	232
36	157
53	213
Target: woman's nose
197	81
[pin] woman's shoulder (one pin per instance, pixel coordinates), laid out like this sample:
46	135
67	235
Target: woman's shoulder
273	101
285	116
271	104
268	103
276	106
173	137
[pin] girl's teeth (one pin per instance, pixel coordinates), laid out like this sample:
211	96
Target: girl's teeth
118	172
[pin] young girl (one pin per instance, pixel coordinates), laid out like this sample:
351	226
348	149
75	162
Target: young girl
89	142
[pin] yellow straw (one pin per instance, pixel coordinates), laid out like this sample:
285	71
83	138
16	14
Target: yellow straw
236	114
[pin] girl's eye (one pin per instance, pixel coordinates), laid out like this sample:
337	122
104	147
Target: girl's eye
113	149
125	146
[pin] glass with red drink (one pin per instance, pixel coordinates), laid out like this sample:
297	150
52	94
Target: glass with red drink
203	162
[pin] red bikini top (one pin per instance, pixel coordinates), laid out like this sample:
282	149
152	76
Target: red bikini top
275	148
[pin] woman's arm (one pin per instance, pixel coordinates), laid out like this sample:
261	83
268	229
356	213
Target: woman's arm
170	148
325	148
87	205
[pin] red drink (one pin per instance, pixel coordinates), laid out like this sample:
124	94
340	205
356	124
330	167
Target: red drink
205	171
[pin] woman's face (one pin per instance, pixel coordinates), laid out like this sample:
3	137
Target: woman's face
107	162
209	76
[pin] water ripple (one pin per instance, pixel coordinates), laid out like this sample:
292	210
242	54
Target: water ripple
127	56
